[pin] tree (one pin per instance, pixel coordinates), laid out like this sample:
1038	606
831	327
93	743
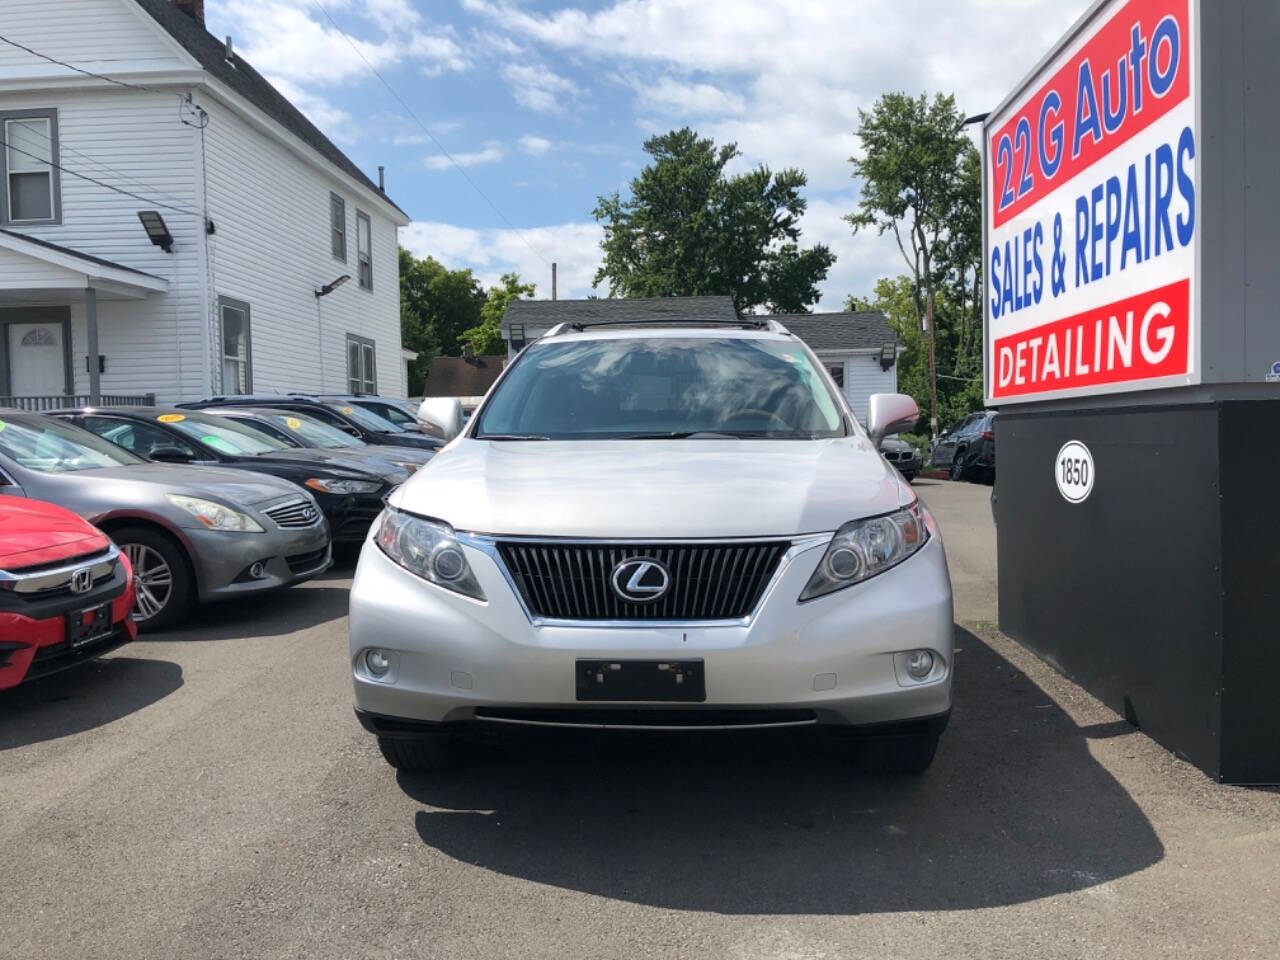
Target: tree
910	172
436	305
688	229
486	337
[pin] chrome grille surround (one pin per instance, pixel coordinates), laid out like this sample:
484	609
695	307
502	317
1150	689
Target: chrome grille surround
293	514
47	579
753	566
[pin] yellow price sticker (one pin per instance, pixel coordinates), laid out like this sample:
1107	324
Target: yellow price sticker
346	410
293	423
171	418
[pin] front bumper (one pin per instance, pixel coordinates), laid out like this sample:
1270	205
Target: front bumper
34	642
223	560
837	659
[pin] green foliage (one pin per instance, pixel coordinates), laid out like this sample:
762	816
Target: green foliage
486	336
915	172
688	229
436	305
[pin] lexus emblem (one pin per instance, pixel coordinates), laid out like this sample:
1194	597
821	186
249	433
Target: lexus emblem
640	579
82	580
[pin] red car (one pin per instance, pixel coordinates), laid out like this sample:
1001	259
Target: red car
66	591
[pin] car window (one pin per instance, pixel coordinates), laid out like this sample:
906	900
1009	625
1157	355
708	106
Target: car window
233	437
143	439
309	430
366	418
388	412
654	387
50	445
263	424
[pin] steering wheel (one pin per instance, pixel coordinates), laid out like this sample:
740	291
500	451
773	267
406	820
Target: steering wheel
756	411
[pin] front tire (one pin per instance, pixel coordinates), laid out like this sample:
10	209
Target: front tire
428	752
165	585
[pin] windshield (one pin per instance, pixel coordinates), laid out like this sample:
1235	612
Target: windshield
309	430
224	434
367	418
54	446
656	388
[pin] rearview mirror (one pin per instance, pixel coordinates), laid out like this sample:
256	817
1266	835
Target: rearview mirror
889	413
441	417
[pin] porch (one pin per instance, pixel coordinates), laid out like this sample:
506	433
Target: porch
40	283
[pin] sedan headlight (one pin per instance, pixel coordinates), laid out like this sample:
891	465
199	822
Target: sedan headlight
863	548
427	549
215	516
343	486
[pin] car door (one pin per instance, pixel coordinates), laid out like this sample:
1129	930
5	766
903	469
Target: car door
944	448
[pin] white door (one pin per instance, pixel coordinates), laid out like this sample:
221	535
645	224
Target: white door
36	360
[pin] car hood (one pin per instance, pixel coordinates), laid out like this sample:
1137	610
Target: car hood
34	533
219	483
654	488
318	459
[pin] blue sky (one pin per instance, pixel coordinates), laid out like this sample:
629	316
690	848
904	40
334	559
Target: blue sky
547	105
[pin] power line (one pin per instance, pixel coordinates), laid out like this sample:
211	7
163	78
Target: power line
87	73
101	183
439	145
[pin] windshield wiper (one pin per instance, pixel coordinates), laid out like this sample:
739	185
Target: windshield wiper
511	436
675	435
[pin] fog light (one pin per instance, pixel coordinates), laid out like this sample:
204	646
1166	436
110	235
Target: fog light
257	571
919	664
377	663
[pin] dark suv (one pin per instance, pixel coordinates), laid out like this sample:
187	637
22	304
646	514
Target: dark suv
352	419
968	450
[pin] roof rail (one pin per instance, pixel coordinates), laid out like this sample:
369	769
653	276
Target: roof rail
746	323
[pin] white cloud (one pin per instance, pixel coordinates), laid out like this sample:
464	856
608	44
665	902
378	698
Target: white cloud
491	252
535	146
284	41
538	88
672	96
492	153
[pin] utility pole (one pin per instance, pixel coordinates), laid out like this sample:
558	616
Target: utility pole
553	281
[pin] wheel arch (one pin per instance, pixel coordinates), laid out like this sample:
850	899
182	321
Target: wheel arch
112	522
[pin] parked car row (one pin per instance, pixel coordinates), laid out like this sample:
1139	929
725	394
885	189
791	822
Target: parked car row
198	505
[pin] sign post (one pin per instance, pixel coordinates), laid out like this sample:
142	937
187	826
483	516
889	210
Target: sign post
1131	236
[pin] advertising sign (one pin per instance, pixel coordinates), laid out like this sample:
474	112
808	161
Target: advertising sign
1090	203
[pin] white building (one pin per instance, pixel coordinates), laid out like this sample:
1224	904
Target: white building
258	212
859	349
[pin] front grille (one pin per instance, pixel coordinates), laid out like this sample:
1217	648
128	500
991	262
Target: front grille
708	581
295	513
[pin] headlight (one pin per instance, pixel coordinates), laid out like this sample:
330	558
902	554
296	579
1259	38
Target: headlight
215	516
409	468
863	548
343	486
427	549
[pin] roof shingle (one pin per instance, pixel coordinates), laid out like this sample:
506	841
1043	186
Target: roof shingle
462	376
861	330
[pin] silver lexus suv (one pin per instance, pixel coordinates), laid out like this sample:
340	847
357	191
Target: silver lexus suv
657	527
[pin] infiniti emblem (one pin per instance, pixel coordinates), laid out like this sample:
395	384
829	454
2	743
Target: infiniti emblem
82	580
640	579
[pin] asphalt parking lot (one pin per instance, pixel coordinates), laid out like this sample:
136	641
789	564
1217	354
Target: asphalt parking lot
208	793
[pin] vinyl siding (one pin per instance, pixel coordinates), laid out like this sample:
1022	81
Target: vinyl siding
272	250
135	141
862	378
88	33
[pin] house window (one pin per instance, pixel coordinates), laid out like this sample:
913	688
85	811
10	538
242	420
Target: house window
837	373
338	227
29	158
364	249
237	356
362	374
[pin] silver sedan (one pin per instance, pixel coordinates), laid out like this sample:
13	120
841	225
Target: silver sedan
192	534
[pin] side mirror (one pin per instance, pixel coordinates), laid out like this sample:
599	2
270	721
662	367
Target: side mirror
943	434
171	455
890	413
441	417
350	431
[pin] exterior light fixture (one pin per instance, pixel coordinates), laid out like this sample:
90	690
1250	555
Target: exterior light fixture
328	288
156	229
888	354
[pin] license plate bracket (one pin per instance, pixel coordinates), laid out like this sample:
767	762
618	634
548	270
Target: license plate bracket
635	681
87	625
